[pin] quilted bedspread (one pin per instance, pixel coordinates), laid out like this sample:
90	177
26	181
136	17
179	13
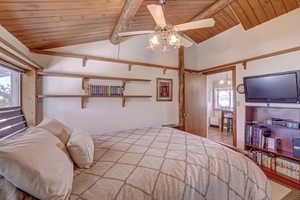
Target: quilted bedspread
167	164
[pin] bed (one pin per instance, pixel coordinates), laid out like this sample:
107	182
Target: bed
166	163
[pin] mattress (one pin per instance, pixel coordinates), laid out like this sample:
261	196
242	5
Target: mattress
166	163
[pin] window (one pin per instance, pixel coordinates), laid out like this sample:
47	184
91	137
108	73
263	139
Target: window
9	87
223	98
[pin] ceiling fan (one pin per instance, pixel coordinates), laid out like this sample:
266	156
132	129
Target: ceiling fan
165	34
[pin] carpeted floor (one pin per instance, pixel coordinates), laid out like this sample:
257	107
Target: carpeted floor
281	192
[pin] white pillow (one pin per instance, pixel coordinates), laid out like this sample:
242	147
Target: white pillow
56	128
36	164
81	149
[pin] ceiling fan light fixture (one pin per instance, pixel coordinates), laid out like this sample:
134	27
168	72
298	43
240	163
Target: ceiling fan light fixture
154	41
165	38
174	39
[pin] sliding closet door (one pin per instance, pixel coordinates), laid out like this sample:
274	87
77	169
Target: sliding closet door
195	104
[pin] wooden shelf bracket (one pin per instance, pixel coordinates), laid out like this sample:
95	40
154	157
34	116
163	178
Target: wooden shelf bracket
83	83
83	102
84	61
124	85
164	70
129	67
245	65
123	102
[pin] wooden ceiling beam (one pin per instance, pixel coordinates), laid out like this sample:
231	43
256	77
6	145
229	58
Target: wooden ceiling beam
129	10
213	9
181	86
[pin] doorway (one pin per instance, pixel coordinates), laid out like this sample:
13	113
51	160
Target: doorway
210	107
220	107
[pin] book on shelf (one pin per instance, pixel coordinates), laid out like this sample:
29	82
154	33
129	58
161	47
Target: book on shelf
284	166
105	90
264	159
288	168
259	136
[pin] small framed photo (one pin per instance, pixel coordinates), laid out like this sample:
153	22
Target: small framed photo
164	89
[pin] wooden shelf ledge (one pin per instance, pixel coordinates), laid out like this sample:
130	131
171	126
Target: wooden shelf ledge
90	96
244	61
280	177
278	152
90	76
84	97
271	125
99	58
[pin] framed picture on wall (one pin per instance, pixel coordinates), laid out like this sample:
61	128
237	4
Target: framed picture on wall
164	89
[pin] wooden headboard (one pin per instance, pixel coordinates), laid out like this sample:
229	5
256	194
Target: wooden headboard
12	122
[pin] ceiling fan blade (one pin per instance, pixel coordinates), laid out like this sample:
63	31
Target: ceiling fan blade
204	23
135	33
157	14
186	41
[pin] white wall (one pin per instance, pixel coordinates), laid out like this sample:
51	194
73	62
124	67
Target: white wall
234	44
101	114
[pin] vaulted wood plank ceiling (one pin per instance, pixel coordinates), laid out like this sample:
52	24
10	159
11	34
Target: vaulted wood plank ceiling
225	19
254	12
55	23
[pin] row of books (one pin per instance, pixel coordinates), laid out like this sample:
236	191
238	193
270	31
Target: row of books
288	168
264	159
105	90
255	136
281	165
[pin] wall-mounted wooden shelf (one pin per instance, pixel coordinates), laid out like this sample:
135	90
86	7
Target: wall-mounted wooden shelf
86	77
85	96
273	125
86	57
281	178
90	76
278	152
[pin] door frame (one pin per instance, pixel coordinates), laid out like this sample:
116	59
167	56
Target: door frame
233	71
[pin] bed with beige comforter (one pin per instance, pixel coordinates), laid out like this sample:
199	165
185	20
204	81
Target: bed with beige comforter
167	164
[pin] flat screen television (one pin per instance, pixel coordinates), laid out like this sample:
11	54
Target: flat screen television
273	88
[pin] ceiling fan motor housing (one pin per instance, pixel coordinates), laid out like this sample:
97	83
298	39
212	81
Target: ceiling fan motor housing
162	2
